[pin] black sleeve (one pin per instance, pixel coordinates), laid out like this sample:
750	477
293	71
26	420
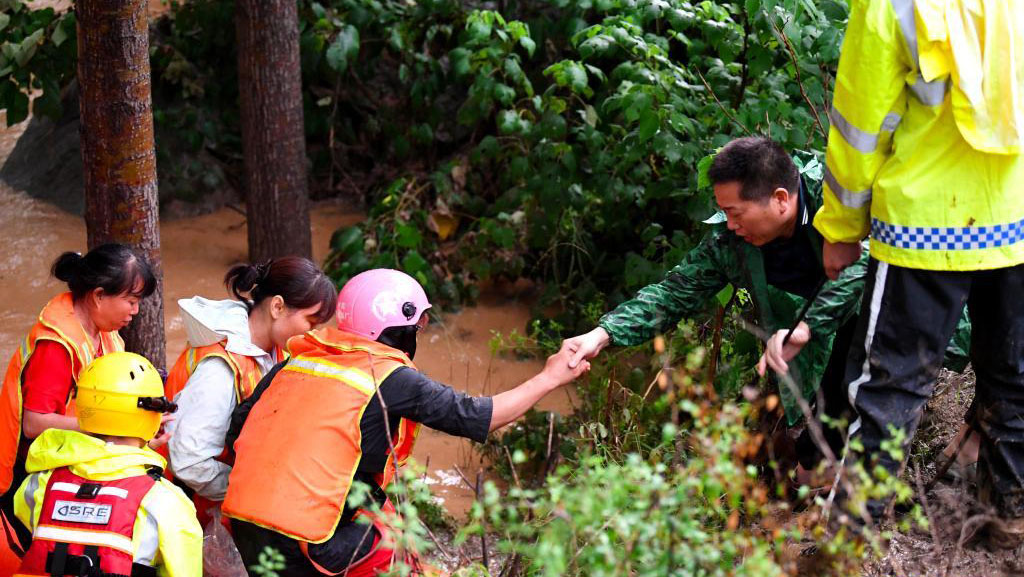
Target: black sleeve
410	394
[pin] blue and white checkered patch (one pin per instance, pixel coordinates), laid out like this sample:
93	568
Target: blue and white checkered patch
947	238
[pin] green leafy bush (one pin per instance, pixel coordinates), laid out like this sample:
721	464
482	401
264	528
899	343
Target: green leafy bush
38	55
588	121
557	140
688	488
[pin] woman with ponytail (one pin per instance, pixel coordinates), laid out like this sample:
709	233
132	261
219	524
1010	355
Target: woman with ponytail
231	345
75	327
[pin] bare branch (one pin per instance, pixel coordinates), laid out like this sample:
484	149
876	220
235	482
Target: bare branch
725	109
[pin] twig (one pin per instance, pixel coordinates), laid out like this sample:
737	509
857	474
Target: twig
927	510
971	527
817	435
650	387
716	341
464	478
442	548
744	72
951	459
235	208
510	565
512	466
352	559
330	134
387	425
666	371
551	435
724	108
483	521
799	79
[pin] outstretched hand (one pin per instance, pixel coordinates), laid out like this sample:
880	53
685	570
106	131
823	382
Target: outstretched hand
776	354
558	367
585	346
510	405
163	436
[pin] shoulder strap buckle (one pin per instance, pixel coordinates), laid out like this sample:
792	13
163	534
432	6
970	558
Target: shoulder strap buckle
88	491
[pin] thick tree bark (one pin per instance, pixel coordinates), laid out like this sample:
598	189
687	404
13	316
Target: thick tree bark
118	150
273	137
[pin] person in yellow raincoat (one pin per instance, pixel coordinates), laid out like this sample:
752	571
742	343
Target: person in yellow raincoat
924	157
96	501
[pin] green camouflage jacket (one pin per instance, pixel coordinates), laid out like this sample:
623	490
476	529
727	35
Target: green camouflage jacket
721	259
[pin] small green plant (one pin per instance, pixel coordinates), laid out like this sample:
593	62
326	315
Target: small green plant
269	563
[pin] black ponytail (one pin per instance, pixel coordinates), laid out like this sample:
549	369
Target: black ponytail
115	268
297	280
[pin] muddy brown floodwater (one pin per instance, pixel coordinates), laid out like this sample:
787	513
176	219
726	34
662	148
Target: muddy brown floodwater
197	252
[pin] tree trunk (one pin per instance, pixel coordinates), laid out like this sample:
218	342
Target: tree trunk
118	148
273	137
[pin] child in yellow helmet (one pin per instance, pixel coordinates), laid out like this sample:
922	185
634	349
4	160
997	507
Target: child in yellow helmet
95	500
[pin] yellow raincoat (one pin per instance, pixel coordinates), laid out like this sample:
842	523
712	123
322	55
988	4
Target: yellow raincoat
176	532
925	132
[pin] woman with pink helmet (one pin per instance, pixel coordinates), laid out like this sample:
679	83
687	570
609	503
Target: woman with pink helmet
345	409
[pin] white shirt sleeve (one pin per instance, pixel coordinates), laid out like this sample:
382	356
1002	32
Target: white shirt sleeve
203	417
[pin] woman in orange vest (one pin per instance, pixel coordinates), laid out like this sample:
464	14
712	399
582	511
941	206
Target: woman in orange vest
105	287
231	344
346	408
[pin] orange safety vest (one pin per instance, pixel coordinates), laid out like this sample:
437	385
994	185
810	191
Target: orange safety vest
245	369
300	447
59	324
247	374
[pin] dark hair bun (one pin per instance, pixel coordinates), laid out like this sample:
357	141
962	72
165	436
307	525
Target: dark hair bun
115	268
67	266
242	278
296	280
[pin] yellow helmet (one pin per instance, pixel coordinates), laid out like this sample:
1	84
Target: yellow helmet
121	394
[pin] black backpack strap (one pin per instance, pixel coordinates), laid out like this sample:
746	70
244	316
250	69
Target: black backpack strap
241	412
57	561
155	472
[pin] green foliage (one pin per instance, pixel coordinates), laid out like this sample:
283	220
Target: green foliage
582	130
37	59
558	140
196	115
269	563
683	488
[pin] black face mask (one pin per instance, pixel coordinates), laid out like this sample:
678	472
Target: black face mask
401	338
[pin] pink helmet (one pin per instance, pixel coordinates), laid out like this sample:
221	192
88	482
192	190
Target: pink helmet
379	299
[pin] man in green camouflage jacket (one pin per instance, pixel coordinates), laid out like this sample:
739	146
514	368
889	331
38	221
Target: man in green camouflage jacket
762	241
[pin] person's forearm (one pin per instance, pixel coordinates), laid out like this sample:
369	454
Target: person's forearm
35	423
511	405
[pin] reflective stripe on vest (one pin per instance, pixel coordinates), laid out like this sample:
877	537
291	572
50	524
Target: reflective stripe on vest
84	537
104	520
865	142
849	198
73	488
321	368
928	93
247	372
301	445
57	322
